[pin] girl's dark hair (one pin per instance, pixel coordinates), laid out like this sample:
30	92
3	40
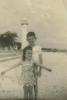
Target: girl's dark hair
24	52
31	34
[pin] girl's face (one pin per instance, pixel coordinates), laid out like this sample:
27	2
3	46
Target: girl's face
28	55
31	40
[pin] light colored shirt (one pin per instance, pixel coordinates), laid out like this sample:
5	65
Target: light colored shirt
36	53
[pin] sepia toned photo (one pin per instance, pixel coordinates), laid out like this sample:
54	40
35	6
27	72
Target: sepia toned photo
33	50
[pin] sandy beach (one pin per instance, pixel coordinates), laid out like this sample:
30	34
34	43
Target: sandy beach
52	85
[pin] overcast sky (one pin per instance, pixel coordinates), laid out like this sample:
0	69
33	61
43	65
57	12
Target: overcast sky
48	18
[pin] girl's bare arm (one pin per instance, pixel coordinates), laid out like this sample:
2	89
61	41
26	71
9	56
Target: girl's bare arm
11	68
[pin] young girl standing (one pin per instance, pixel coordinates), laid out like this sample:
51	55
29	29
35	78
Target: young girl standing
27	75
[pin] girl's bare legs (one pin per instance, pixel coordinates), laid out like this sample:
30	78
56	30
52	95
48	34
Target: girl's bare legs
30	93
25	92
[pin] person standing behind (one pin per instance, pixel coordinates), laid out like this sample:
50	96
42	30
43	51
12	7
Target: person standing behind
37	58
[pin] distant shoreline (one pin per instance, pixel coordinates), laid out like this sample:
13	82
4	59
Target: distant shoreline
54	50
43	49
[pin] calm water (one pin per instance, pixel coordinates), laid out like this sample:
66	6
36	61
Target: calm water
52	85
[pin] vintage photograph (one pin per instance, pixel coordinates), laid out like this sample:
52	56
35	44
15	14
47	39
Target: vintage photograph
33	49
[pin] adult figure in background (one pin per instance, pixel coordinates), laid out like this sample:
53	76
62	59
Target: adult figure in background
37	58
